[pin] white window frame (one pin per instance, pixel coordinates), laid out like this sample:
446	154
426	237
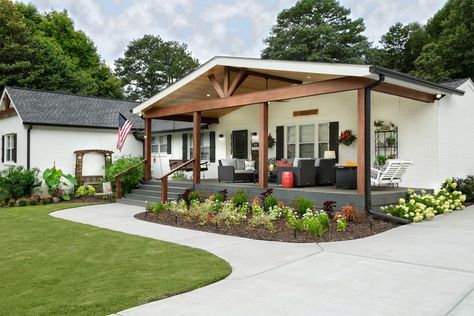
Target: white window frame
322	141
158	147
297	144
9	147
205	150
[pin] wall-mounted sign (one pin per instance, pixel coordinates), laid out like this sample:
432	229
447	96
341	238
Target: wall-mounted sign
306	112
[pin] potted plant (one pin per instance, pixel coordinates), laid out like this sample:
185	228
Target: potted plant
55	180
378	124
390	141
381	159
347	137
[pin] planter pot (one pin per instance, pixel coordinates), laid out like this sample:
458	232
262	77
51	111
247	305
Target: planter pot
56	199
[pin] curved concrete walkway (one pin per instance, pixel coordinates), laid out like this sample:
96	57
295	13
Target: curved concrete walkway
419	269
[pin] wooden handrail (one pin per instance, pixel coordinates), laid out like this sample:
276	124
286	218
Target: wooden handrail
164	179
118	183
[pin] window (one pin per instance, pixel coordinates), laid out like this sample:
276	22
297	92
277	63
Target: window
10	148
306	141
159	144
291	142
205	146
323	138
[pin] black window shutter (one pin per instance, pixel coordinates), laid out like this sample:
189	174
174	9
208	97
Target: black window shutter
3	148
334	138
280	138
14	148
212	148
185	147
168	143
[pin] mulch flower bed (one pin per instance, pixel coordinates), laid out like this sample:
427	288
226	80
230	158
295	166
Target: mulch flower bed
365	226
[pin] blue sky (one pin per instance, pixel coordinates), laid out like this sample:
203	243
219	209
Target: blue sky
210	28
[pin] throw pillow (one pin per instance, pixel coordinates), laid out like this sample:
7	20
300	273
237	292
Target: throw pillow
249	165
284	163
240	164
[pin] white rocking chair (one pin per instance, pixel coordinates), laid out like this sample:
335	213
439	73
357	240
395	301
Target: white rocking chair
391	173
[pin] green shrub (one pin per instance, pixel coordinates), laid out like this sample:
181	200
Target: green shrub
130	179
194	196
341	224
33	202
56	181
219	197
314	226
45	200
466	186
179	175
294	222
240	198
157	207
85	190
23	202
323	218
270	201
17	182
302	204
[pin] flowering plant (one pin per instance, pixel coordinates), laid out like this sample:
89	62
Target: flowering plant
347	137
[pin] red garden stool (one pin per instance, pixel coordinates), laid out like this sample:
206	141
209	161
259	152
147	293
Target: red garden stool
287	179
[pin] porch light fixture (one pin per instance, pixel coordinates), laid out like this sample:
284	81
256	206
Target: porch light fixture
254	133
308	77
439	96
329	154
221	136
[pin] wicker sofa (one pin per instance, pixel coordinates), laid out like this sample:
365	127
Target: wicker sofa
309	172
233	170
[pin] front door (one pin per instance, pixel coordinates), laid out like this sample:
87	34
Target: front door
240	144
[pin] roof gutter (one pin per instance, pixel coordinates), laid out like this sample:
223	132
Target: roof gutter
411	79
367	143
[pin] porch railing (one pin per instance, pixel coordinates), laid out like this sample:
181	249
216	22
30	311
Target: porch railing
164	179
118	181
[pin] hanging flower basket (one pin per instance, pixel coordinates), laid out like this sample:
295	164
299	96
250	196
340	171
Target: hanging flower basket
347	138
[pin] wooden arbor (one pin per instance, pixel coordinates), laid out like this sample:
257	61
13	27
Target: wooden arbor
228	96
80	159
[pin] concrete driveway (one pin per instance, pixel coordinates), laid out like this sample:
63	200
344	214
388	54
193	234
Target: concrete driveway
418	269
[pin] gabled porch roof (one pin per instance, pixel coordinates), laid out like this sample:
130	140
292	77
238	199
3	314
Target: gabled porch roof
242	76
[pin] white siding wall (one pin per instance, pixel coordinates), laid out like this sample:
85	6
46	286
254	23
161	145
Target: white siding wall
57	144
417	137
456	143
11	125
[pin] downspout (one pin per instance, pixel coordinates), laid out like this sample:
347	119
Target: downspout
367	162
28	143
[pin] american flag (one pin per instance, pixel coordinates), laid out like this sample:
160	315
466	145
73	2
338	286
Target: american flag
124	128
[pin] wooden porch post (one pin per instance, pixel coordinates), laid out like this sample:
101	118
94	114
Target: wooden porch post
147	144
263	146
361	141
197	147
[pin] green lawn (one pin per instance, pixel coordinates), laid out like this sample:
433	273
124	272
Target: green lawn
50	266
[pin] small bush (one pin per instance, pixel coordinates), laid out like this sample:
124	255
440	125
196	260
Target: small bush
194	196
45	200
129	180
240	198
23	202
350	212
302	204
179	175
270	201
85	190
341	223
466	186
33	201
157	207
219	197
323	218
294	222
329	207
224	194
17	182
314	226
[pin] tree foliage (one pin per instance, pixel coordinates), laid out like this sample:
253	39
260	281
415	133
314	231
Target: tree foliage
317	30
150	64
45	51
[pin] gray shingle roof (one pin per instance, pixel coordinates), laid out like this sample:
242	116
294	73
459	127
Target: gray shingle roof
63	109
454	83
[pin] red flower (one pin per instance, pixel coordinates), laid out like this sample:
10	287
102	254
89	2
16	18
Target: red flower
210	217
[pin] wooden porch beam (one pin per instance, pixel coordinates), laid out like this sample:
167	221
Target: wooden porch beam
217	86
298	91
361	141
189	118
241	76
269	76
147	144
392	89
226	79
263	146
197	147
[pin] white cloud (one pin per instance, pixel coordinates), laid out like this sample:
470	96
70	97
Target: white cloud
233	27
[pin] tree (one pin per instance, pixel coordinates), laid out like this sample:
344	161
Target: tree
401	46
450	54
150	64
317	30
44	51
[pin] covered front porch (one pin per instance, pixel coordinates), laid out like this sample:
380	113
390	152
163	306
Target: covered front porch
217	89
